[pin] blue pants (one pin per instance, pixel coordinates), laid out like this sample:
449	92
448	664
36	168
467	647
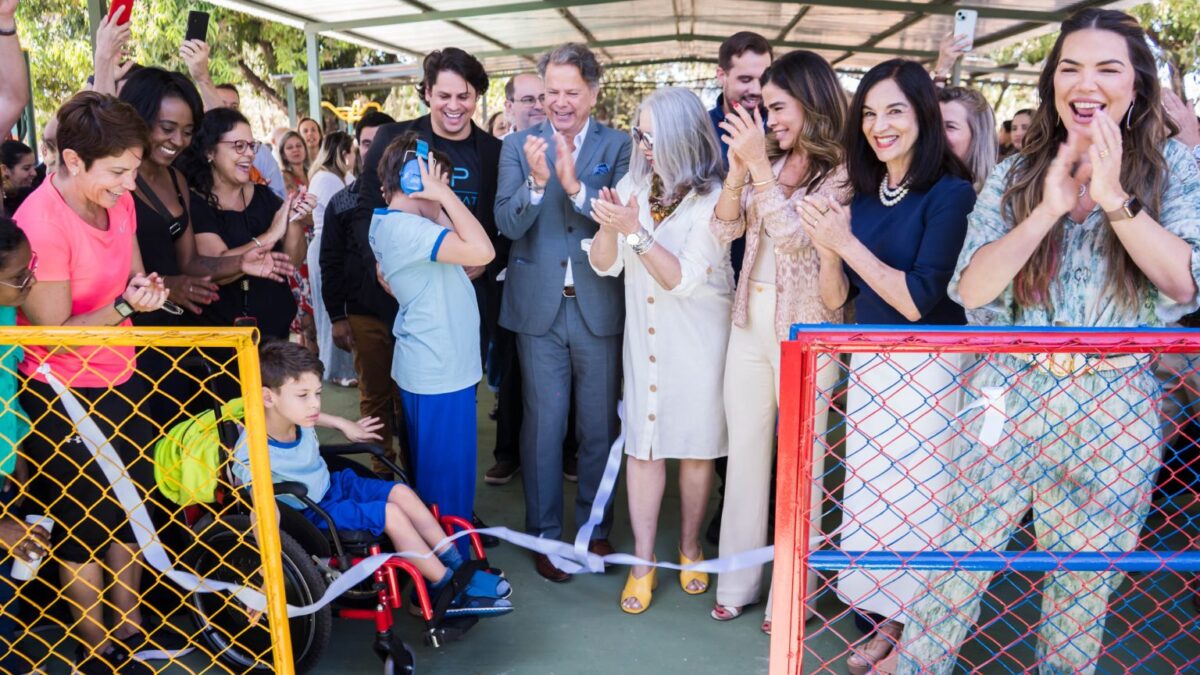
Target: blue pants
441	436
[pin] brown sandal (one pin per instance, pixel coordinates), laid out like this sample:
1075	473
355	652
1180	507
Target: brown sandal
879	645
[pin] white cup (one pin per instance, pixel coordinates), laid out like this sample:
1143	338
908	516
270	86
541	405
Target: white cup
23	570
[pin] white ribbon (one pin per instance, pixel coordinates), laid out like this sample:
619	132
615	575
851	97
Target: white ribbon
572	558
994	417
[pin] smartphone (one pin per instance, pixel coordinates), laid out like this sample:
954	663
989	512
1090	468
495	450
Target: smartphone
197	26
126	15
964	24
410	174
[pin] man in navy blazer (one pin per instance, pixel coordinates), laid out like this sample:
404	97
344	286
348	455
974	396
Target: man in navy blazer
568	320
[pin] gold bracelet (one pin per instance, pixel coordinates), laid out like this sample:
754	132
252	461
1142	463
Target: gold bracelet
733	190
764	182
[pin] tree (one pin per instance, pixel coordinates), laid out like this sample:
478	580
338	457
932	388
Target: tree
1173	27
244	49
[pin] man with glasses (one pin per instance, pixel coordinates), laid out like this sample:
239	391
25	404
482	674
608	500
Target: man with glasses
524	101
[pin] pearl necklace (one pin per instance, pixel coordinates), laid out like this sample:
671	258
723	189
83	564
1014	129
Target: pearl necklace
891	196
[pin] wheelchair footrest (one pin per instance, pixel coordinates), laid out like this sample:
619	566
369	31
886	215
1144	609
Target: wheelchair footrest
450	629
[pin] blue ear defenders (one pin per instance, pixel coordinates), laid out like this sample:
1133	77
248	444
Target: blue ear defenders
410	174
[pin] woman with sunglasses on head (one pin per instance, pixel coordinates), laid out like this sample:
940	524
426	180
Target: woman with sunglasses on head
233	215
678	291
892	252
81	222
1095	224
768	177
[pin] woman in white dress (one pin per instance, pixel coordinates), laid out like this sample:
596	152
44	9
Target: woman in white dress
678	294
329	175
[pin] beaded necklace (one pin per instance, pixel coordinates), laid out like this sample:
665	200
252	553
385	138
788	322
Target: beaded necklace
661	207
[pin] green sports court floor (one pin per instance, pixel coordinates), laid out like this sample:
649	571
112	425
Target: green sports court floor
578	628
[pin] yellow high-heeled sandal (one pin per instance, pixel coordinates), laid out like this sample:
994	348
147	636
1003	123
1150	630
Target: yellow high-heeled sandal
686	577
642	589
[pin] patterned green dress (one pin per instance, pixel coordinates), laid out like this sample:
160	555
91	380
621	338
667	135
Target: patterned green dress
1082	450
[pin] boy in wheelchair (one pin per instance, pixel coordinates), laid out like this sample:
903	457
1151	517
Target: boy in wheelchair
291	378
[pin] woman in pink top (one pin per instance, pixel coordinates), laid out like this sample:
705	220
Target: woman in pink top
81	224
806	110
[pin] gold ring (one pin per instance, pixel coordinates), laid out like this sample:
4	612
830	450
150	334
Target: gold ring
1103	154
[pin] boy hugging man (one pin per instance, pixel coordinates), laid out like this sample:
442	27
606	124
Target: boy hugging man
291	377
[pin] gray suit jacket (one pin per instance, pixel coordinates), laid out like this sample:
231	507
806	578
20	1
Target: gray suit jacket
545	235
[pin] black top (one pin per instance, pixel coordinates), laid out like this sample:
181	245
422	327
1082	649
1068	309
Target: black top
466	180
270	302
348	281
157	231
484	152
920	236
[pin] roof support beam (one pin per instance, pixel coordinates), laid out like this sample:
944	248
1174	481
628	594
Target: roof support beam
588	36
689	37
920	14
787	29
986	11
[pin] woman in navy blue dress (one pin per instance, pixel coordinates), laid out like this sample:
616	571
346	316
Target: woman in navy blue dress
892	252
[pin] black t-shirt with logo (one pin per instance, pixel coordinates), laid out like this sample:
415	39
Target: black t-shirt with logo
466	178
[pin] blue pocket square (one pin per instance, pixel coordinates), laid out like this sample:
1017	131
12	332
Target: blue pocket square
601	170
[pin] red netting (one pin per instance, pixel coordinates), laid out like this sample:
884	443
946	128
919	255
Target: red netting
1001	502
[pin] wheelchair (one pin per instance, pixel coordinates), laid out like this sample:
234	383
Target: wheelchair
312	559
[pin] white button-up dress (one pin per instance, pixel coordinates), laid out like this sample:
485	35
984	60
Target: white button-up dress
675	341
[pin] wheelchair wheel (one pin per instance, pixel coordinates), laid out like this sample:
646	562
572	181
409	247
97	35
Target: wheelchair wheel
226	552
401	660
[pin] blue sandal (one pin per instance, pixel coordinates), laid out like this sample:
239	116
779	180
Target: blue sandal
465	604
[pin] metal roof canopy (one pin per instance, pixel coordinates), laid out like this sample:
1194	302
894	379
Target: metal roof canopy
507	37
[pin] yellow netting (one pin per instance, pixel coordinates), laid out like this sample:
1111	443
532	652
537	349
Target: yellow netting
79	598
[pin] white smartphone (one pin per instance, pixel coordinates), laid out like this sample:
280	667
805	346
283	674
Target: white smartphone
964	24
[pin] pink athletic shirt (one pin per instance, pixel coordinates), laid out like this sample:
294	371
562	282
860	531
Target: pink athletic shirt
96	263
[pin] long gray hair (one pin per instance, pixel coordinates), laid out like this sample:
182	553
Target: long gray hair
686	154
982	155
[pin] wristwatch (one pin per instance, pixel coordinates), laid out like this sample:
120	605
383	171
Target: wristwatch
640	241
123	307
533	187
1128	211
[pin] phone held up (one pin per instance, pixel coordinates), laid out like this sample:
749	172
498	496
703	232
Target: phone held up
197	26
964	24
125	15
410	173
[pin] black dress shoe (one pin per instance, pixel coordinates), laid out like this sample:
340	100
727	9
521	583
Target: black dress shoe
547	569
488	540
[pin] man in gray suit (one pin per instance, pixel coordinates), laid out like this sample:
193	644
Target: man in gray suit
567	319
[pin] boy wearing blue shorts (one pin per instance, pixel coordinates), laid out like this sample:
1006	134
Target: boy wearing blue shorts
292	379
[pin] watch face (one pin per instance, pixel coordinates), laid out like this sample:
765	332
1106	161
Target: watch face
634	239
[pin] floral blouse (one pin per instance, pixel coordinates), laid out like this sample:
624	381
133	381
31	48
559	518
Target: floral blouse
1078	294
796	260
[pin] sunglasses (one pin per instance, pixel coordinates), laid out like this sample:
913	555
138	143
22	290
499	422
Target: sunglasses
643	137
27	275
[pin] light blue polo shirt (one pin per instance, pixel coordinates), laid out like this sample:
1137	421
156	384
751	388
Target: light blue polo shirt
437	327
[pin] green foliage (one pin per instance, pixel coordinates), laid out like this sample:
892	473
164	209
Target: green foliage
244	49
1029	52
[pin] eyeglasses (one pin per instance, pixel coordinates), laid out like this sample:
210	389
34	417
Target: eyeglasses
643	137
240	147
530	100
27	276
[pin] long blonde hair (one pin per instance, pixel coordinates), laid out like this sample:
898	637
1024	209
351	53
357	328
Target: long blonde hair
981	156
332	157
1144	130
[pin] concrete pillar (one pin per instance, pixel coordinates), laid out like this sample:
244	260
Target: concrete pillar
293	116
314	75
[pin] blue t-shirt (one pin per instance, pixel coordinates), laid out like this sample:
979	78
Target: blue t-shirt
921	236
14	423
437	327
298	461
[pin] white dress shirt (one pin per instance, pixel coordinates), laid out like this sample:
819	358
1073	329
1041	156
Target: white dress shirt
535	198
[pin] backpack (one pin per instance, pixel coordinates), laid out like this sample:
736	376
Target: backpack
189	459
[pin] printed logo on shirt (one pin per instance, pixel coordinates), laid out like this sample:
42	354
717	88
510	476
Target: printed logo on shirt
469	198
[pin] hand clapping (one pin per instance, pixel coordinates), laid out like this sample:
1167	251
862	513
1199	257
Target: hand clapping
610	213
